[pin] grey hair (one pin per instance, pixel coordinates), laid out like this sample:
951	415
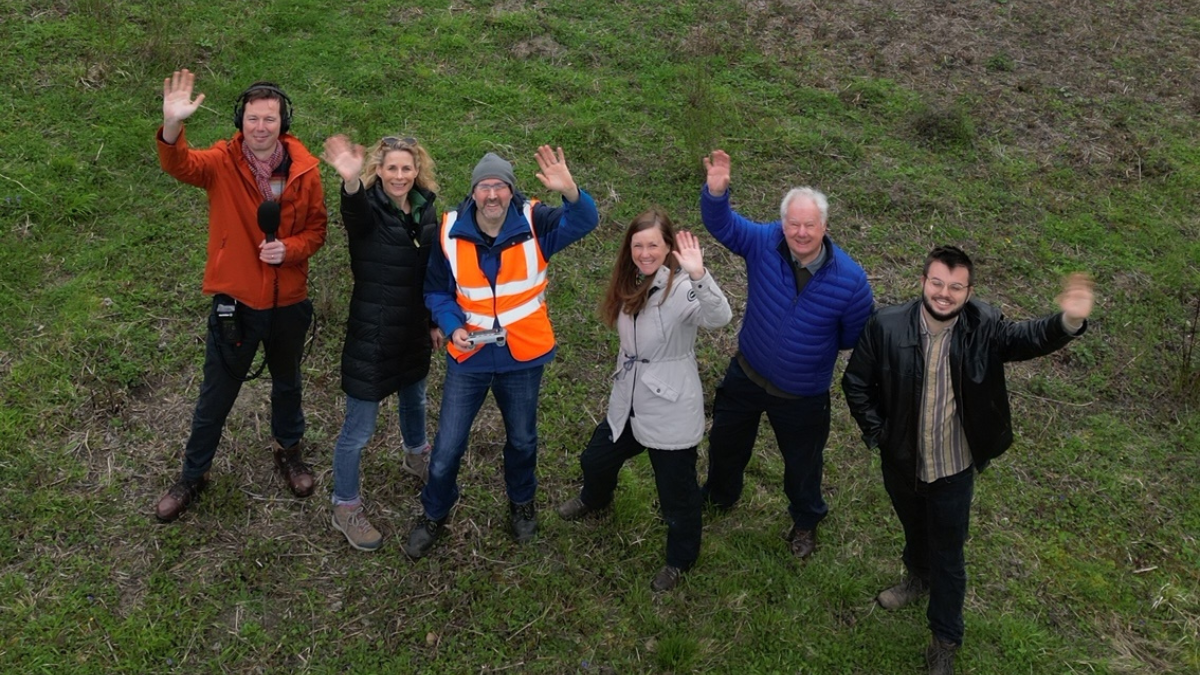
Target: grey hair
815	195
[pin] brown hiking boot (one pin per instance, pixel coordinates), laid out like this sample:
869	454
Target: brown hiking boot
298	475
574	509
178	498
939	656
666	579
910	590
803	542
350	521
417	464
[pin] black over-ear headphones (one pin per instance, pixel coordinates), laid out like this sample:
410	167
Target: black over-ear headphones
285	105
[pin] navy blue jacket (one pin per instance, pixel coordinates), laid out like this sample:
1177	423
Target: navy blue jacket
556	229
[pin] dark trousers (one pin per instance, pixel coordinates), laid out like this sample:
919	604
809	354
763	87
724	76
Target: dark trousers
674	474
282	332
801	428
935	517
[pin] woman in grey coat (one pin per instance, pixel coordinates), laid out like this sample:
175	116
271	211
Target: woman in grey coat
657	403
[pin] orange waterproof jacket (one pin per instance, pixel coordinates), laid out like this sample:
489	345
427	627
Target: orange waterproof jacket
233	266
517	303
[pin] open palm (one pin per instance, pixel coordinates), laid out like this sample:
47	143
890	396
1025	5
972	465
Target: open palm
177	97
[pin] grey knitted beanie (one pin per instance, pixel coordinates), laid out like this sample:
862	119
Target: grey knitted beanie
493	166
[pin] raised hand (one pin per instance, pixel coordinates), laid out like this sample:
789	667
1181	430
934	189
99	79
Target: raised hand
177	97
717	166
346	157
554	174
1077	297
689	254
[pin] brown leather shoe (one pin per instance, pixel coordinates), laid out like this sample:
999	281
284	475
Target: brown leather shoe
939	656
666	579
178	498
298	475
803	542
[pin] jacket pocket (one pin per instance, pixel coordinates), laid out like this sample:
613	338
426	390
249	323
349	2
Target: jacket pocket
660	387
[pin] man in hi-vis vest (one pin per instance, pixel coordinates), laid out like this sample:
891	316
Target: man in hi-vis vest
486	288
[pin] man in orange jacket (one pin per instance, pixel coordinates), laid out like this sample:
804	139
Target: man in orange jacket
266	218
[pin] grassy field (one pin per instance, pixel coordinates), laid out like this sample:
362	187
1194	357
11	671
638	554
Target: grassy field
1042	137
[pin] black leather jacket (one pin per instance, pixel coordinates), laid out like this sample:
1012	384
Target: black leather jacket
884	380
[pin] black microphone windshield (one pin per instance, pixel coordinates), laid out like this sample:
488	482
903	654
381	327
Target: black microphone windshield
268	218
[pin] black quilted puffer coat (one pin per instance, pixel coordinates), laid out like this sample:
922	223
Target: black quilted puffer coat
387	333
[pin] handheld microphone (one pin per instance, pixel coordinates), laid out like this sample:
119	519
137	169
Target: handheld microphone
268	218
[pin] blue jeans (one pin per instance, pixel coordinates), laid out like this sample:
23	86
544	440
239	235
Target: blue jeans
281	332
358	427
516	394
674	475
935	517
801	428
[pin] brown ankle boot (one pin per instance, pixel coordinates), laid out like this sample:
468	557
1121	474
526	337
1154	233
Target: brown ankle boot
298	475
939	656
178	498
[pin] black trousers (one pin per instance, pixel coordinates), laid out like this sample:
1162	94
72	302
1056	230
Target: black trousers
936	517
674	475
281	331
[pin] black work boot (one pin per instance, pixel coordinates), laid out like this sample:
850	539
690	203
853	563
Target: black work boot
422	536
523	520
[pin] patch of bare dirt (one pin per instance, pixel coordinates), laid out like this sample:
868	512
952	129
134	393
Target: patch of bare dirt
1022	66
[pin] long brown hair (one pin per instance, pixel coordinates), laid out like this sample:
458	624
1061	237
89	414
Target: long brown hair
627	292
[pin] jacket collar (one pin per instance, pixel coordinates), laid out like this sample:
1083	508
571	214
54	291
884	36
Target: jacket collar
830	251
295	155
381	199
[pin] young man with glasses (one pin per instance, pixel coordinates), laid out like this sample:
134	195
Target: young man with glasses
926	385
486	289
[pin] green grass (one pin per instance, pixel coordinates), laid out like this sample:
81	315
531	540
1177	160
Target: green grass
924	127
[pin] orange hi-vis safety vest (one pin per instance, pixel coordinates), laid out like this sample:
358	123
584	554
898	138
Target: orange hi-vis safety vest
517	302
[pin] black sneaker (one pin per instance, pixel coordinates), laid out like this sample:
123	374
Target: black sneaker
523	520
422	536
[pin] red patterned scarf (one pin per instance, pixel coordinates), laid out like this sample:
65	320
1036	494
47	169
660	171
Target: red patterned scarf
263	170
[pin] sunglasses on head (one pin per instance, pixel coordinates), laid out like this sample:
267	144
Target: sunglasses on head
397	142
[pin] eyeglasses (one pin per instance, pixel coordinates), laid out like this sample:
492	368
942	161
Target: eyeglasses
939	285
489	188
397	142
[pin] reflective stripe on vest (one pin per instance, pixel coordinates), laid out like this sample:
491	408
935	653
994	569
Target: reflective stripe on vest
518	301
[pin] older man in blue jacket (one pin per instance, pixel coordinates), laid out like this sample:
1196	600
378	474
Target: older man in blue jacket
806	299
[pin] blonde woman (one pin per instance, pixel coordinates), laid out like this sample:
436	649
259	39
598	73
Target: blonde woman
388	210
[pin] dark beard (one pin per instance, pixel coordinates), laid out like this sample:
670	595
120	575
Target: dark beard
938	315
